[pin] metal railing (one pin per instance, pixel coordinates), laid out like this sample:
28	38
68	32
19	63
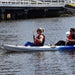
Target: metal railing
34	3
73	1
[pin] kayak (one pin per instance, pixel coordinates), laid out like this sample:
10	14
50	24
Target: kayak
36	48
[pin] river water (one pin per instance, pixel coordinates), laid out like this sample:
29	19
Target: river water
36	63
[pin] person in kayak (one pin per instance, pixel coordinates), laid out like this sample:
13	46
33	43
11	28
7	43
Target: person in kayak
39	40
71	38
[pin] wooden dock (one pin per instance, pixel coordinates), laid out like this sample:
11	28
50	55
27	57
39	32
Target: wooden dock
14	9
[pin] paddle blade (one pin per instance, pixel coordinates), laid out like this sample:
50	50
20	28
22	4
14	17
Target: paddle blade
33	32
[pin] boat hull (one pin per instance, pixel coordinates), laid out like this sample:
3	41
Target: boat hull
36	48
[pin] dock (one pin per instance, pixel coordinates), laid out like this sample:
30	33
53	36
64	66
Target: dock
14	9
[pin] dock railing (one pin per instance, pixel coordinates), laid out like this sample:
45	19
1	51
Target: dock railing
34	3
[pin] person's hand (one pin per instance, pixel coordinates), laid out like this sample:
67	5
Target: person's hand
33	36
67	39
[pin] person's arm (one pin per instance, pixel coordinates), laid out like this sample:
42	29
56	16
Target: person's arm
71	40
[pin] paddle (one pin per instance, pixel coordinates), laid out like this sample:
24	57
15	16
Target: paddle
33	35
66	42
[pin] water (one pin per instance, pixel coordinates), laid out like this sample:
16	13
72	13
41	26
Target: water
36	63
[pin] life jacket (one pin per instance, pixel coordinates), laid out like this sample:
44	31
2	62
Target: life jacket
37	42
71	37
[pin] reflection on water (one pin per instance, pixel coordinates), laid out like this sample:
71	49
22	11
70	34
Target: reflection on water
69	52
36	63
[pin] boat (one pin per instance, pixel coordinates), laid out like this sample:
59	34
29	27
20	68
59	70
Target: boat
36	48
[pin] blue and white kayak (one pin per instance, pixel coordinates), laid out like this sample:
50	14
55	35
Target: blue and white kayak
36	48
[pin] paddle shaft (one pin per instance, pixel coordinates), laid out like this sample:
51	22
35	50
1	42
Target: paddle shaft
66	42
33	35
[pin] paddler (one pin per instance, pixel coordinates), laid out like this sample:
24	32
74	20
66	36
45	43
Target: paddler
39	40
71	37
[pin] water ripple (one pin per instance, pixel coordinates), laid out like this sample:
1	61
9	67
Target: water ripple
39	63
